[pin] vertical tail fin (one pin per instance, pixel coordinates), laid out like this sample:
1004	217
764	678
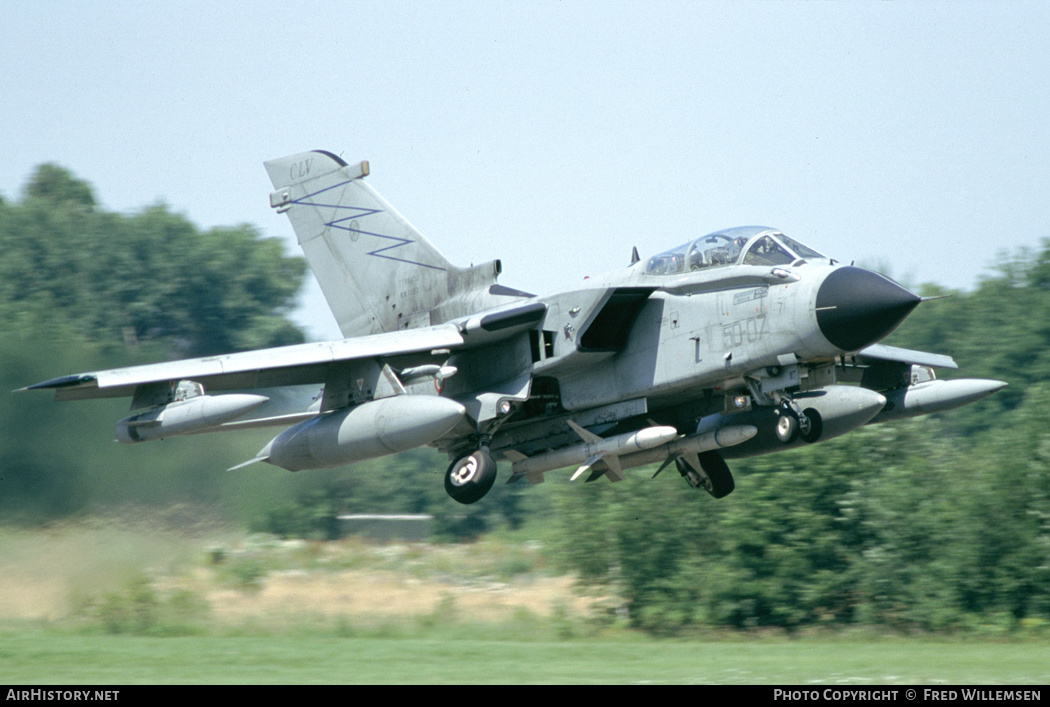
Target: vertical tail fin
376	270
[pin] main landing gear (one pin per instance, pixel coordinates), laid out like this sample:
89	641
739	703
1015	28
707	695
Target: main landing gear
710	473
470	477
794	422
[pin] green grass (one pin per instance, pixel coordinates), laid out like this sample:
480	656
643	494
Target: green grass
46	656
111	602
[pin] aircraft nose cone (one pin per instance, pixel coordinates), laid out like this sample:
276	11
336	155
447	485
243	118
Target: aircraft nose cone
857	307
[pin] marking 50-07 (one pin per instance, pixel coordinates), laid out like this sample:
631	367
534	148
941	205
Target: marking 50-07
750	330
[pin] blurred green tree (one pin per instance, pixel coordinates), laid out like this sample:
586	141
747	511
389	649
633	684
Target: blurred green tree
146	276
85	289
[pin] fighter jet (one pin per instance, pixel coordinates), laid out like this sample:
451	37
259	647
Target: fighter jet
737	343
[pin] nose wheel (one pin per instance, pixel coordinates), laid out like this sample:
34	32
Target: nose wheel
470	477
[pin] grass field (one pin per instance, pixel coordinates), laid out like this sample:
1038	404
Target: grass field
119	603
48	656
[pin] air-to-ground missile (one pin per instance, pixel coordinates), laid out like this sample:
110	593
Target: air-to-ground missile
365	431
935	396
183	417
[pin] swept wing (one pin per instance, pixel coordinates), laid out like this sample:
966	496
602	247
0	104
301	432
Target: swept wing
300	364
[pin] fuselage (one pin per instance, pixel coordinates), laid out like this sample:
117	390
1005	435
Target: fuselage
650	340
691	334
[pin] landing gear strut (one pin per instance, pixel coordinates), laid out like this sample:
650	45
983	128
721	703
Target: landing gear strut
470	477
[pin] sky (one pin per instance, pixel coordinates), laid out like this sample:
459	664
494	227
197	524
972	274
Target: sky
909	136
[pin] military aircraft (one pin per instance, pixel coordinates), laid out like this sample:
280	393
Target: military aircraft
737	343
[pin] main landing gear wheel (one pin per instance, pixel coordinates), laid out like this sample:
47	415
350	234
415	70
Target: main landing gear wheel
717	471
813	427
787	427
715	477
470	477
791	425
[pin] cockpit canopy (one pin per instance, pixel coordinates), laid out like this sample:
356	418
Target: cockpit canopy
745	245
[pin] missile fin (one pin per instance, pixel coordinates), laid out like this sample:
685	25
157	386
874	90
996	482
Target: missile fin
390	383
601	464
586	435
613	469
248	463
586	466
667	463
533	477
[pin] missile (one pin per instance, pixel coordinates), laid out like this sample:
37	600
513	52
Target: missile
366	431
935	396
721	438
184	417
589	451
417	373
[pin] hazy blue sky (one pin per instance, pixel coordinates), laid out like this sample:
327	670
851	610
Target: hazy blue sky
557	135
